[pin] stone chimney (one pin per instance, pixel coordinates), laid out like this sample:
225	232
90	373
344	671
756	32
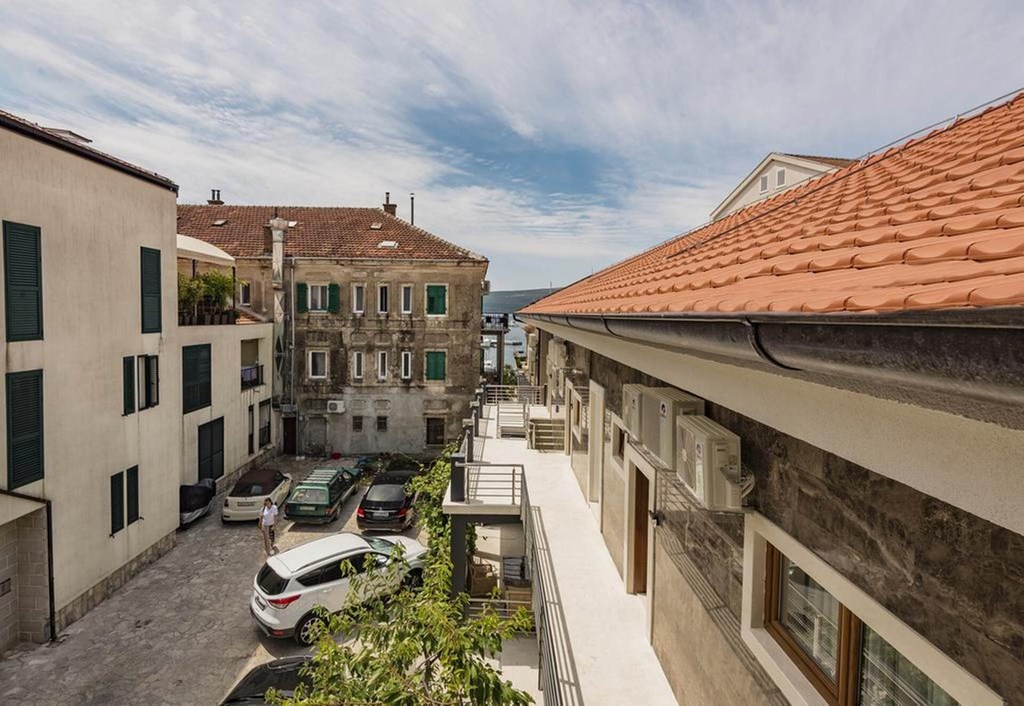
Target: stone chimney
389	208
214	199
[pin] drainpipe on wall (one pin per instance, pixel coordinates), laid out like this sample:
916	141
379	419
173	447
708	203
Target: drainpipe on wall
49	554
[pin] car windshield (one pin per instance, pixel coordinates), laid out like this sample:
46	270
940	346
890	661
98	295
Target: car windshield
254	484
378	544
386	493
269	581
316	496
284	677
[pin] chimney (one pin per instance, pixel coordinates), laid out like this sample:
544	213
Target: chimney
214	199
389	208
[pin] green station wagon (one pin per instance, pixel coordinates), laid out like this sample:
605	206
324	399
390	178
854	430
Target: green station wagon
319	496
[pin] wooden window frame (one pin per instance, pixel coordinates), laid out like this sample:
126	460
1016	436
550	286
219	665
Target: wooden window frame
358	365
358	292
383	299
324	298
426	366
406	371
382	423
309	363
406	288
426	300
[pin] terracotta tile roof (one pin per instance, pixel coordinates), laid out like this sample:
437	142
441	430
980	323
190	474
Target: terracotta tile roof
937	223
830	161
331	231
61	140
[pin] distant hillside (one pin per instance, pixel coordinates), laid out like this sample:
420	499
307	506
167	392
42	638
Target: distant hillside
512	300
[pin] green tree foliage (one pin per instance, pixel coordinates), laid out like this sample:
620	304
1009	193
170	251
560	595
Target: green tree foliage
415	647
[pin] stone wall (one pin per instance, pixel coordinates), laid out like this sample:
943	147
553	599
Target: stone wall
33	578
9	573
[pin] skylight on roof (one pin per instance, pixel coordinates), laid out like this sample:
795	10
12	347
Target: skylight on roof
220	221
387	244
292	224
376	226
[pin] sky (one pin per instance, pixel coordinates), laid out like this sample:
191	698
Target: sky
553	137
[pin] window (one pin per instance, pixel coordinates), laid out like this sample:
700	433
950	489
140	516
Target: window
149	381
151	319
128	385
436	363
317	365
245	294
252	429
318	297
116	503
132	476
357	422
382	365
23	282
437	299
823	638
382	423
195	377
406	298
24	428
780	177
358	298
264	423
406	365
764	183
618	442
382	299
211	449
357	365
435	431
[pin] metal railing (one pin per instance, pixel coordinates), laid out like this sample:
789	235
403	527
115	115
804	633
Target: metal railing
494	322
494	483
252	376
504	607
549	673
523	394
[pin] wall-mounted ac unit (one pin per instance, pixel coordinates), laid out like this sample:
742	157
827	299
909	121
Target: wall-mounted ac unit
708	462
660	407
632	407
336	406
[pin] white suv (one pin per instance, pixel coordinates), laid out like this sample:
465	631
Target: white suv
291	584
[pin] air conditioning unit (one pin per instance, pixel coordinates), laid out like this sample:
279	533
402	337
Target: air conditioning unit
660	407
708	462
632	407
336	406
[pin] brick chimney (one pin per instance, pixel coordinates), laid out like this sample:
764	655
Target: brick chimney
389	208
214	199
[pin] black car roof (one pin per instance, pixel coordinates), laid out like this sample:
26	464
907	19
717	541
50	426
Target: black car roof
393	477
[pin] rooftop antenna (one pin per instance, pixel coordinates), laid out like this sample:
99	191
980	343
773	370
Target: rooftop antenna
412	208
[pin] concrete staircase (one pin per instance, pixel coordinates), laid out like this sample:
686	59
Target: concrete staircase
511	420
546	434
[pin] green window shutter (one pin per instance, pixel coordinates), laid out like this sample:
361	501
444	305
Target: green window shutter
151	318
23	282
436	296
116	503
24	428
128	380
301	298
133	493
333	298
436	365
195	377
152	380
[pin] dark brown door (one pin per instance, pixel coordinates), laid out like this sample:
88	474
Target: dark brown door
289	435
641	519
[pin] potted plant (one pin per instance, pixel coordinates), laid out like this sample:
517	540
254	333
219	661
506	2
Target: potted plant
189	294
218	287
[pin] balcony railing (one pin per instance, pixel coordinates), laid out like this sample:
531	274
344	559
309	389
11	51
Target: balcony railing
494	323
252	376
524	394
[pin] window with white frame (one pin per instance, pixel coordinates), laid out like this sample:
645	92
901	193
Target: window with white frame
824	640
780	177
358	298
357	365
406	365
316	365
382	365
318	297
764	183
406	298
382	298
245	294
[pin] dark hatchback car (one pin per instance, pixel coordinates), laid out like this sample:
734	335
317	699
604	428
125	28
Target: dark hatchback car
282	674
388	503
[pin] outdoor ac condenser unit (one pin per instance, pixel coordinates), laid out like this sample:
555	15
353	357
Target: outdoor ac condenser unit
632	395
708	462
336	406
661	406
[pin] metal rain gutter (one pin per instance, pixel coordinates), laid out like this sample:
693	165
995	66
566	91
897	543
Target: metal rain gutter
978	354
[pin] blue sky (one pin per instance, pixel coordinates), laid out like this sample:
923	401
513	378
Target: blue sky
553	137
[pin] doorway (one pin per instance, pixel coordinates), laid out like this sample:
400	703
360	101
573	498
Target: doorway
211	449
289	435
641	528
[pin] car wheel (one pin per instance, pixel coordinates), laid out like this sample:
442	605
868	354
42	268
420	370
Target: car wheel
413	579
304	630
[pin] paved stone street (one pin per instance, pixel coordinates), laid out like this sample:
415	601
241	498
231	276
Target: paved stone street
178	633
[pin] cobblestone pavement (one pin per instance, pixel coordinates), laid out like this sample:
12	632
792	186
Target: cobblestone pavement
178	633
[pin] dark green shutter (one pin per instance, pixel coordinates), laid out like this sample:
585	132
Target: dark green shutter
24	428
333	298
436	365
211	449
301	298
128	379
151	320
152	381
436	299
23	282
195	377
116	503
133	494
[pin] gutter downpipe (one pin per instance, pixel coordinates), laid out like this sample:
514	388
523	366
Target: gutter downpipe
49	554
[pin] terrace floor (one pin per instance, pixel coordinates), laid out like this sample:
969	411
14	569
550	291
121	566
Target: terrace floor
603	651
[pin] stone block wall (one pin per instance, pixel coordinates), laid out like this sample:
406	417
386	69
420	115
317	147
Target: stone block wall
9	572
33	578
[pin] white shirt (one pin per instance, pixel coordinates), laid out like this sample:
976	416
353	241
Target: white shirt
269	516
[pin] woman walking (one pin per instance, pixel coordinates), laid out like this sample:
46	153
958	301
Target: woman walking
267	522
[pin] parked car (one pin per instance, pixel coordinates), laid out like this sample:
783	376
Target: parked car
291	584
282	674
388	504
195	500
319	496
245	501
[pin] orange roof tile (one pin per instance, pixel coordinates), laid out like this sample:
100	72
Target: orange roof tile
339	232
937	223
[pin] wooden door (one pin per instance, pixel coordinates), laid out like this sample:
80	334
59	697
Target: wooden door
640	528
289	435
